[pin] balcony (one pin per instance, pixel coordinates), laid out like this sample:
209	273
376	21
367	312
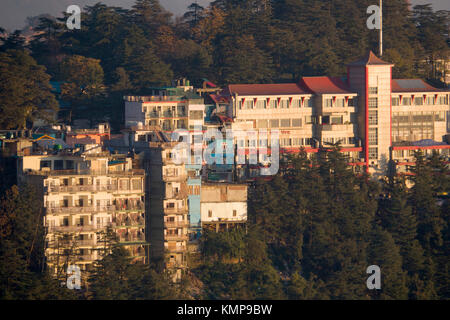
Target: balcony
175	210
176	237
67	229
86	257
174	178
84	243
129	207
177	249
84	209
176	224
337	127
85	172
80	188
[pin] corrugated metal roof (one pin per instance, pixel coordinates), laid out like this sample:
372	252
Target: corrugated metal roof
412	85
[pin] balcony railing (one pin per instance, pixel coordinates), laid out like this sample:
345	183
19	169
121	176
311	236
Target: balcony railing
86	257
336	127
73	228
129	207
176	224
175	210
176	237
132	172
77	188
84	209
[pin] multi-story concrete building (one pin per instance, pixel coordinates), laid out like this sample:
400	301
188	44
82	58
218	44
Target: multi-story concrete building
361	111
170	108
168	205
223	206
82	195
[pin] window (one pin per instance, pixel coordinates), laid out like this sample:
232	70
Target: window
395	101
328	103
234	213
429	101
373	153
46	164
273	104
309	119
261	104
336	120
352	102
443	100
373	136
262	123
297	141
248	104
406	101
340	103
308	103
418	101
284	103
440	116
285	142
209	213
285	123
296	123
274	123
295	103
196	115
373	90
69	164
373	102
373	117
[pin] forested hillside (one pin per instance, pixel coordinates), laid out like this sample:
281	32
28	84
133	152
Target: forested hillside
232	41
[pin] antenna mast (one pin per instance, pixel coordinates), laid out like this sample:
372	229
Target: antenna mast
381	28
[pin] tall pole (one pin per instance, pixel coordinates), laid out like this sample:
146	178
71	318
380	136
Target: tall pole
381	28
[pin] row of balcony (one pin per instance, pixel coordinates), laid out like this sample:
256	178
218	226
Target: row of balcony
166	114
90	172
90	188
91	208
80	209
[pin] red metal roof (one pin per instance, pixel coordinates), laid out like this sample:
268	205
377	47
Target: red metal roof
370	59
321	85
267	89
412	85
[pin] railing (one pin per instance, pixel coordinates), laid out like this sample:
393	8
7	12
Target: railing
131	172
72	228
84	209
176	237
174	178
176	224
129	224
86	257
119	207
175	210
77	188
336	127
177	249
84	242
136	239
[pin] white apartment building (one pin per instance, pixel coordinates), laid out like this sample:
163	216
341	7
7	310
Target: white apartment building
82	195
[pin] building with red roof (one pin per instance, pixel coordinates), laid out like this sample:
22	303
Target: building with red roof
367	112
